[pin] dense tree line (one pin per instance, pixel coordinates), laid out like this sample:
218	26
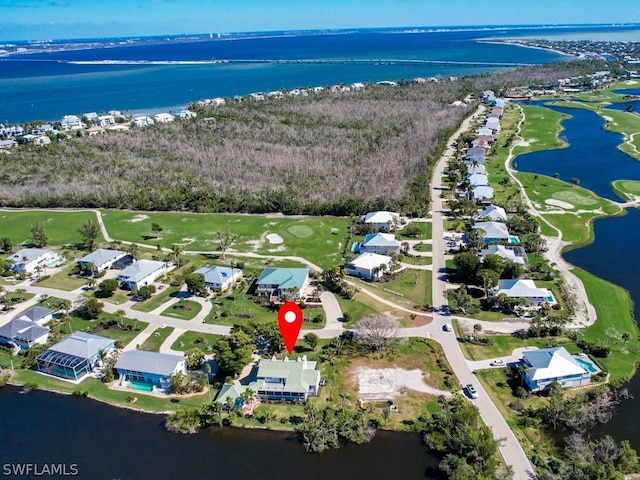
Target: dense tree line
322	154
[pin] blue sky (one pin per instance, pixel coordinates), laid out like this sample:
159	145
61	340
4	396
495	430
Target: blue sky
51	19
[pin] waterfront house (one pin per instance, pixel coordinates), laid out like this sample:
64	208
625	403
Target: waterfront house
508	253
186	114
75	356
219	278
500	103
23	334
39	315
549	365
278	282
101	259
106	120
28	260
71	122
369	266
382	220
524	288
496	232
149	368
41	140
493	213
163	118
482	194
91	116
280	380
7	144
143	121
384	243
141	273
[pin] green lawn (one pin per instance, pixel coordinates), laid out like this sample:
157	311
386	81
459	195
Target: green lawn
357	308
80	324
410	288
188	340
627	188
540	129
157	338
100	392
61	227
63	280
157	300
16	297
118	298
503	345
614	310
426	229
319	239
183	310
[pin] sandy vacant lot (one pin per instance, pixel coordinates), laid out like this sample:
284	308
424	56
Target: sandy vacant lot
388	383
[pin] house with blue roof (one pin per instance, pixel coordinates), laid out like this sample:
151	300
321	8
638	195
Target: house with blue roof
279	282
218	278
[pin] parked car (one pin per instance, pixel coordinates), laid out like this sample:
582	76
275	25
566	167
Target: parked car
447	328
497	363
471	391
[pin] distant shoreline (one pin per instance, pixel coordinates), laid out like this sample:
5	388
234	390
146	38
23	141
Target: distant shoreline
517	43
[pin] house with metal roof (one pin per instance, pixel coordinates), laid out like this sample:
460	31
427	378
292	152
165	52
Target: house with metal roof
495	232
287	380
150	368
524	288
509	254
476	167
39	315
218	278
384	243
75	356
493	213
382	220
280	282
549	365
141	273
482	194
477	180
102	259
369	266
28	260
23	334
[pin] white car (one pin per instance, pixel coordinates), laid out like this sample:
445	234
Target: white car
471	391
497	363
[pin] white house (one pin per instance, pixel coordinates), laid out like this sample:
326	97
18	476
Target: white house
476	168
482	194
493	124
382	220
383	243
106	120
478	180
102	259
154	369
523	288
219	278
71	122
495	232
41	140
485	131
7	144
368	266
549	365
141	273
143	121
39	315
185	114
93	116
28	260
503	252
163	118
493	213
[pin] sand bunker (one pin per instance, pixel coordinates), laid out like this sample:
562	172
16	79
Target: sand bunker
558	203
275	239
138	218
390	382
608	119
630	82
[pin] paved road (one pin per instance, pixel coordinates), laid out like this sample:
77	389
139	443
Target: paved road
510	448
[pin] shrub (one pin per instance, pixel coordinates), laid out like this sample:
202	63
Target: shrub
27	387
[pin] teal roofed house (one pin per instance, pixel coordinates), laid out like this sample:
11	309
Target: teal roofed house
280	282
279	380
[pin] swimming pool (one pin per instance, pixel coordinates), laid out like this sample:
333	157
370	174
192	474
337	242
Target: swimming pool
142	386
588	366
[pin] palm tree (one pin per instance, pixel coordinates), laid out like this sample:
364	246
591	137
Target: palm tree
523	368
477	328
120	317
176	251
626	337
133	251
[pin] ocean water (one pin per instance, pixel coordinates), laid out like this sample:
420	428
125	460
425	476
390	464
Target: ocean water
48	86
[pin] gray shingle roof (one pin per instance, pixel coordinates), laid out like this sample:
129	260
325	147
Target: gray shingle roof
101	256
140	270
23	330
34	314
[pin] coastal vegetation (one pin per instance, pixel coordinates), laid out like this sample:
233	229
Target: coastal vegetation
311	155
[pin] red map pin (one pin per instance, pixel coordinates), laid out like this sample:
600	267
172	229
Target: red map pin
290	323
